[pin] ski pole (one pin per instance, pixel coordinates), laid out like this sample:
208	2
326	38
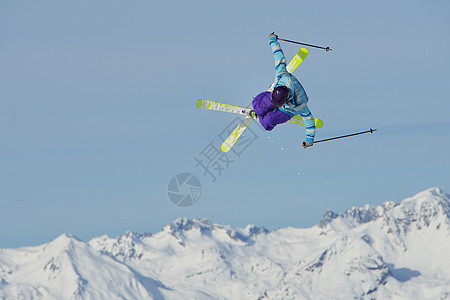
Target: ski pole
294	42
344	136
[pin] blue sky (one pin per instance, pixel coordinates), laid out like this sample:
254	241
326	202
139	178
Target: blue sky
98	111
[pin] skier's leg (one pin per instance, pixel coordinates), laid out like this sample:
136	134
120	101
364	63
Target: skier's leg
261	104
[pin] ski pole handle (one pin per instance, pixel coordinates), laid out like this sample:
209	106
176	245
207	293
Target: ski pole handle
294	42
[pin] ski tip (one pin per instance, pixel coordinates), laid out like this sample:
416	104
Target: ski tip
224	148
319	123
199	103
304	50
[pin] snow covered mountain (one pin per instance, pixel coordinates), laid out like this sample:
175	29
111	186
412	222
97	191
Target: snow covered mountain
392	251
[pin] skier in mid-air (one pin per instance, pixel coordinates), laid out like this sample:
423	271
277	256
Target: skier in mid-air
284	99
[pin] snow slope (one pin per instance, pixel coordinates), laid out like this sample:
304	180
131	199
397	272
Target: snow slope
392	251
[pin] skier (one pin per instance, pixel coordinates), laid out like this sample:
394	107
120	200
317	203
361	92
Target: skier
284	99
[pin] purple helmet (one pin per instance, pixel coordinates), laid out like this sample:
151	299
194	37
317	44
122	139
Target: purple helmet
280	96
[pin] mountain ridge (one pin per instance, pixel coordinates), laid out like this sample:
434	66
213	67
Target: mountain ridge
369	252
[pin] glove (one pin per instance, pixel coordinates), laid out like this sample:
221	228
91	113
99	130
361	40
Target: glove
307	144
252	114
273	35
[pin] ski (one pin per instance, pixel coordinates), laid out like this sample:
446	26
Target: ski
214	105
218	106
236	134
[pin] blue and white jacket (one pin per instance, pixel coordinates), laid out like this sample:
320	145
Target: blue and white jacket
297	102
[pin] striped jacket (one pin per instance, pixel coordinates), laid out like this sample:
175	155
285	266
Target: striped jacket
297	102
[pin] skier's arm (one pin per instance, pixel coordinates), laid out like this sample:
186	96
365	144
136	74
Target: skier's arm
310	125
278	55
